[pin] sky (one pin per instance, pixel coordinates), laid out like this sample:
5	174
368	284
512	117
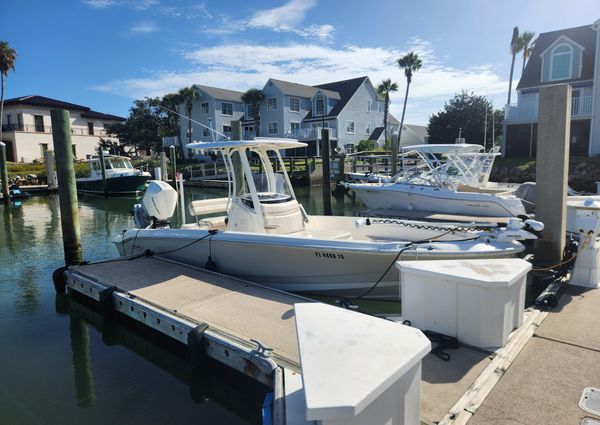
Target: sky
106	53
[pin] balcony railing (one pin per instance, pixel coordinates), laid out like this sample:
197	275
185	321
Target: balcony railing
313	133
27	128
528	111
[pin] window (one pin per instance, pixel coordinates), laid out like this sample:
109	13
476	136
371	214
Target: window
249	111
205	132
20	120
561	62
319	105
350	127
294	104
369	105
227	129
43	149
272	103
91	128
38	121
204	108
8	118
294	127
273	127
368	129
227	108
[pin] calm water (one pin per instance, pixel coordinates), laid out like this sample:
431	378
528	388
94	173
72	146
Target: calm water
62	363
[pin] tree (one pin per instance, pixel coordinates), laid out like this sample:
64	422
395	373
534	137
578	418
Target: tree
7	62
142	128
254	97
526	46
410	63
188	95
365	146
515	47
170	123
465	112
383	89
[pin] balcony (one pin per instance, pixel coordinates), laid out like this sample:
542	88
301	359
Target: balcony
581	106
313	133
26	128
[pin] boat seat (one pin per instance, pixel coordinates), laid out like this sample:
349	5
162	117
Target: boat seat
207	206
282	218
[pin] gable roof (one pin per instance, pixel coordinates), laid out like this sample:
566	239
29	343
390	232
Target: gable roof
419	130
221	94
46	102
346	90
585	36
301	90
392	120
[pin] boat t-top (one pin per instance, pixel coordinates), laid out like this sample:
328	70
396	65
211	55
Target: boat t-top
261	233
121	177
450	179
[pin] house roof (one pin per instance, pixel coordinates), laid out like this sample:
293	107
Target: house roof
302	90
376	134
221	94
584	36
46	102
392	120
420	130
346	90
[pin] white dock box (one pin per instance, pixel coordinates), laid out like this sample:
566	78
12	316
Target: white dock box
477	301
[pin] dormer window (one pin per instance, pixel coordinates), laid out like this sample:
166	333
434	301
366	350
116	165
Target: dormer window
561	62
320	105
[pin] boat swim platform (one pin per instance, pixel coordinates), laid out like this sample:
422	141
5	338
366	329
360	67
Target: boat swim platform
432	216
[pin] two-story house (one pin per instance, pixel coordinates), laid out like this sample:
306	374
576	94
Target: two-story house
565	56
27	127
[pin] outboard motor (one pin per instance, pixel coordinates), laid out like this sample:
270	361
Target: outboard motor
157	207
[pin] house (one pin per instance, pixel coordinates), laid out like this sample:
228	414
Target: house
27	127
564	56
411	134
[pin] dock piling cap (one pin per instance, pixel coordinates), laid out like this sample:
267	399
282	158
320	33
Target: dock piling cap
348	359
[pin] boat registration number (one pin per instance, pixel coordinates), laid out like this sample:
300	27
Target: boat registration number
331	255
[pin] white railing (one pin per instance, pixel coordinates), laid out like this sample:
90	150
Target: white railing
581	105
528	111
313	133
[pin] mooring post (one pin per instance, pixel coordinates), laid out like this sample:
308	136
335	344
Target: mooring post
164	176
103	170
326	171
552	170
236	130
394	167
4	172
67	189
173	166
50	173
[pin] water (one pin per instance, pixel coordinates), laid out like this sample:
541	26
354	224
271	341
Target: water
62	363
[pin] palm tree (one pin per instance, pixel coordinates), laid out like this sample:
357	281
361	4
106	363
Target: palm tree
7	62
187	96
254	97
526	38
383	89
515	47
410	63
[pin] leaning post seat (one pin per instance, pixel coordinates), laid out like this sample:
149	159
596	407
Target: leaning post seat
282	218
203	207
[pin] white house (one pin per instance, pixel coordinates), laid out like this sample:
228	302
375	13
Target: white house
27	127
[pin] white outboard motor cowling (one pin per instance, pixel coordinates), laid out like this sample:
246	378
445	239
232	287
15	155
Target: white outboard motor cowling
157	207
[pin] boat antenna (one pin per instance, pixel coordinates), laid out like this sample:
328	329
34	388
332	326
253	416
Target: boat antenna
196	122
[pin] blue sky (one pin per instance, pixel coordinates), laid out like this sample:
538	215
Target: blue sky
105	53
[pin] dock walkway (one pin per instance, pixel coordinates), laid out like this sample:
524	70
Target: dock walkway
235	308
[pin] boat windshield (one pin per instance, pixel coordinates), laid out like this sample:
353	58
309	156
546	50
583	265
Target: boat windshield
119	163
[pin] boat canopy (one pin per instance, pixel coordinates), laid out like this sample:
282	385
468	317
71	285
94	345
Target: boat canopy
259	142
444	148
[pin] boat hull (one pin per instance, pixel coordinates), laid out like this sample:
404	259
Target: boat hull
331	267
434	199
120	185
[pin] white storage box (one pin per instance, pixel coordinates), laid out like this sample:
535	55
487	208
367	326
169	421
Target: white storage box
477	301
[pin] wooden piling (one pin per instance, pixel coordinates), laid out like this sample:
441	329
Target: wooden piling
325	149
103	170
173	166
4	172
394	168
236	130
164	175
67	189
50	170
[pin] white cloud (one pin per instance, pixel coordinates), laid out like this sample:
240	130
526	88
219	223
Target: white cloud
145	27
144	4
99	4
242	66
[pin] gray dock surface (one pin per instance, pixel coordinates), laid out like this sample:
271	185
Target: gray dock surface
545	382
243	310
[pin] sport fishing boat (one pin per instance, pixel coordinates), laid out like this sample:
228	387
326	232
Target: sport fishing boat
261	233
121	177
448	179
